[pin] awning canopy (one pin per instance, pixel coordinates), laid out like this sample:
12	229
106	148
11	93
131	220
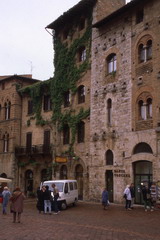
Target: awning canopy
5	180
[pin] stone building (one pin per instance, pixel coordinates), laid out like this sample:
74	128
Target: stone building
72	35
10	122
98	119
125	100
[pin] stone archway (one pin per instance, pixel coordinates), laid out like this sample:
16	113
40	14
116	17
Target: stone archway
79	178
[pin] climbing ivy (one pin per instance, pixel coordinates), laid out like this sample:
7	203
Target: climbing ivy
67	73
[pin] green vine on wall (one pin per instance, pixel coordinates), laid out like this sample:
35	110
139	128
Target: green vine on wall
36	93
67	73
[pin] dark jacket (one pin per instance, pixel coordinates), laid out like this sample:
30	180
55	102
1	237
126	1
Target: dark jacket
146	193
105	196
132	192
47	195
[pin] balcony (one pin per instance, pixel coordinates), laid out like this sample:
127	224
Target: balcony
34	150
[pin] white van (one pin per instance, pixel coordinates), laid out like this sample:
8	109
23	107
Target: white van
68	191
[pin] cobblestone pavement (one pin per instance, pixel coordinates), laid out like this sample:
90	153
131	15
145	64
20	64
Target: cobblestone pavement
84	222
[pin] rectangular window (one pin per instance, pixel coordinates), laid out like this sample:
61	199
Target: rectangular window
66	97
30	107
47	103
46	142
139	16
29	142
71	186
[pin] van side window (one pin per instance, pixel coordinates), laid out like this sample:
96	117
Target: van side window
71	186
75	185
66	188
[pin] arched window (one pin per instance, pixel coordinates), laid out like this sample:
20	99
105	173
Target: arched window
145	50
3	175
149	49
7	106
145	106
66	134
149	108
142	148
141	53
5	142
109	157
142	110
112	63
109	111
81	94
80	132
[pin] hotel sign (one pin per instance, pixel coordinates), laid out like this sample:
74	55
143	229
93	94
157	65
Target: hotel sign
61	159
120	173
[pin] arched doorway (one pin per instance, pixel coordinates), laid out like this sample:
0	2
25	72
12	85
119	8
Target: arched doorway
63	172
79	178
142	175
28	182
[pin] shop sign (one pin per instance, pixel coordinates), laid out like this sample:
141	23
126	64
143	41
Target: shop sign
120	173
61	159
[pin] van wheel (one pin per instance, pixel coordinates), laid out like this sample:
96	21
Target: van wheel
63	205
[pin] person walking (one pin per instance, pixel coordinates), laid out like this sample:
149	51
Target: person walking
128	198
105	199
6	196
17	199
146	193
40	199
56	196
47	200
132	190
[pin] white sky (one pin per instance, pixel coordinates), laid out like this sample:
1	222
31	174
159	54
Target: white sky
25	46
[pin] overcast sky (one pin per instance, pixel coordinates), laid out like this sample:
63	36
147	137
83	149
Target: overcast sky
25	46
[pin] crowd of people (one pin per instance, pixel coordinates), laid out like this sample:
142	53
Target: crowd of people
45	201
129	197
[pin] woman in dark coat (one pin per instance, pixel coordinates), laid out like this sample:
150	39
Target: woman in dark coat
17	199
105	199
40	199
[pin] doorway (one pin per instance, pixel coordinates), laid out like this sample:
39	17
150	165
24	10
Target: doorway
29	182
142	175
109	184
79	178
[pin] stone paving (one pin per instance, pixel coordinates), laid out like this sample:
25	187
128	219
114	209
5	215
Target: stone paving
86	221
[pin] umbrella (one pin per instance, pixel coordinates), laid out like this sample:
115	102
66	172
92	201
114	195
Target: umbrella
5	180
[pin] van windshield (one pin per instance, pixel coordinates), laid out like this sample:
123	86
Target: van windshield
59	185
